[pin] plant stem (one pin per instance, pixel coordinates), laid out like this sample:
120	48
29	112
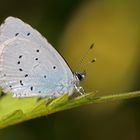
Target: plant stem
16	110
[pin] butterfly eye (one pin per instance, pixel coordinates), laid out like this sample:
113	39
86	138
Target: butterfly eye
80	75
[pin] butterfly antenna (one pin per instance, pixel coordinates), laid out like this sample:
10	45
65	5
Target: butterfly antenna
79	66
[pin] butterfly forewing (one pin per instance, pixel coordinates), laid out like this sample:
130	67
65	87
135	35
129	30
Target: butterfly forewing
29	65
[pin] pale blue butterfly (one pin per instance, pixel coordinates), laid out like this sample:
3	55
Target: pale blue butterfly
30	66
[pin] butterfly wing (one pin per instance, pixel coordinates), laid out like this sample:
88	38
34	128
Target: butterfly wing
29	65
15	27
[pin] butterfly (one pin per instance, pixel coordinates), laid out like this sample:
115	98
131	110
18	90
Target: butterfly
30	66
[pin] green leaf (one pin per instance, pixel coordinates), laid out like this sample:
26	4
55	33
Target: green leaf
16	110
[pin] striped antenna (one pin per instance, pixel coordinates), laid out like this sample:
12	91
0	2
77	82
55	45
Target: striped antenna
84	58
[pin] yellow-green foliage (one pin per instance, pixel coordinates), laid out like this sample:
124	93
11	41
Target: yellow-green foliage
16	110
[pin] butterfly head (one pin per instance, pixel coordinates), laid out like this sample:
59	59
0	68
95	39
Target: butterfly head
80	75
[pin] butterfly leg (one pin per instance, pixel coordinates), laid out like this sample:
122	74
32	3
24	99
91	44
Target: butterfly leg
80	90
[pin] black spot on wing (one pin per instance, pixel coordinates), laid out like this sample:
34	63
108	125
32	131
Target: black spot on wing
18	62
20	56
26	75
16	34
21	83
28	34
54	67
31	88
20	69
37	50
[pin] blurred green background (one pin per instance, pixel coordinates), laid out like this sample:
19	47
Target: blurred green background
71	27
